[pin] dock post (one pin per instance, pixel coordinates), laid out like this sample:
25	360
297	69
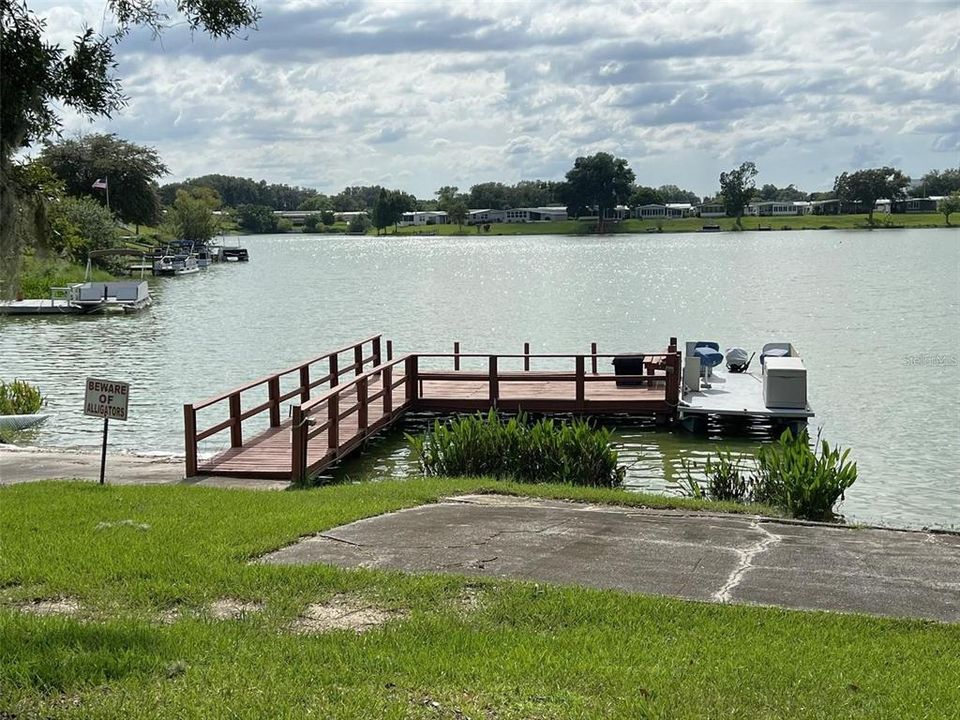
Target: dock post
190	439
333	424
673	379
363	417
494	382
456	356
581	385
298	458
376	354
273	395
334	370
412	378
358	358
389	350
236	431
387	391
593	359
526	357
304	383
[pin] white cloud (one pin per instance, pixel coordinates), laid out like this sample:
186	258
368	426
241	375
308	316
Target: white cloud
422	95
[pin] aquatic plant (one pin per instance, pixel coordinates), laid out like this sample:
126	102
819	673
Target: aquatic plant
19	398
804	480
575	453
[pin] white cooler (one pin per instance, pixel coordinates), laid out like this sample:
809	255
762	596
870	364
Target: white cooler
784	383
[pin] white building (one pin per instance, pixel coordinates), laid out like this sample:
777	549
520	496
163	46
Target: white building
537	214
711	210
424	217
479	217
652	211
773	208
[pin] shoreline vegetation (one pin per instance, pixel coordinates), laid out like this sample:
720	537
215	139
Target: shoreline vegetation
632	226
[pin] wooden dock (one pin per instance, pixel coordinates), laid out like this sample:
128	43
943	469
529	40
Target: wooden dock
342	397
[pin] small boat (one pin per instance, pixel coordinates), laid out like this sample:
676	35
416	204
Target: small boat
176	265
84	298
775	395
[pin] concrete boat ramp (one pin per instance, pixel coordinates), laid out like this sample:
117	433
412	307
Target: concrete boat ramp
699	556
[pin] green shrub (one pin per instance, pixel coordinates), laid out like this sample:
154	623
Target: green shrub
19	398
805	482
545	451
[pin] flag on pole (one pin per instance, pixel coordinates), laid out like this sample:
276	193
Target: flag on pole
100	183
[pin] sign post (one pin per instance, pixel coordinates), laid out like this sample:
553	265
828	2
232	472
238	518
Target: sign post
107	399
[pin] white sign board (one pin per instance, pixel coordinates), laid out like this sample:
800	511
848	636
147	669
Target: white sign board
106	399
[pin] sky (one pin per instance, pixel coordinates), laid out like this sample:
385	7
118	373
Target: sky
418	95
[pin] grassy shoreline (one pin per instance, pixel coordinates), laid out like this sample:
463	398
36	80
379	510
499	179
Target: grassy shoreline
129	554
681	225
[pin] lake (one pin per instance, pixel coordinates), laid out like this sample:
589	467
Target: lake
874	315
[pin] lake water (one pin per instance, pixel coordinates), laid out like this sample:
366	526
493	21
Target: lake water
874	314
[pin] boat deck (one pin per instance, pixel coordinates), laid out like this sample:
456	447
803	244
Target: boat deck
733	394
39	307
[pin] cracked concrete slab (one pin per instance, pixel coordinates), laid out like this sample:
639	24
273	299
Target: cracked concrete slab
720	558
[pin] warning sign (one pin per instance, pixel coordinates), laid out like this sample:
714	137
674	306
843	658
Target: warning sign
106	399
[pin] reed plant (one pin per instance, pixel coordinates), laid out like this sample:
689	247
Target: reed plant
805	480
19	398
573	453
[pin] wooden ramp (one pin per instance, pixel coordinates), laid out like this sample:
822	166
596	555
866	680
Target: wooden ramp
332	415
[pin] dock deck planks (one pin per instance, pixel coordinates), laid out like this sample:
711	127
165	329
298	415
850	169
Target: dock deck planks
268	455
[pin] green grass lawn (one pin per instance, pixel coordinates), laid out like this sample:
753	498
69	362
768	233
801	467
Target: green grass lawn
575	227
524	651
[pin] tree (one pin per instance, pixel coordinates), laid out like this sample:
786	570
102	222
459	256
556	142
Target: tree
674	194
38	78
317	202
941	183
131	172
950	205
384	210
257	218
311	222
446	196
327	217
737	188
600	181
458	212
643	195
868	186
358	224
192	219
80	225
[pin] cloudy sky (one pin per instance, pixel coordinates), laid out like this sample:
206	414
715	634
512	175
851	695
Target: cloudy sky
417	95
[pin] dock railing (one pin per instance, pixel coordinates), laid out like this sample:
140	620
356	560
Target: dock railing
369	396
366	352
659	368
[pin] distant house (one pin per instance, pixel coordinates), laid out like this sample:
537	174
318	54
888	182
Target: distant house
424	217
711	210
774	208
348	216
536	214
650	211
835	207
480	217
295	216
915	205
680	210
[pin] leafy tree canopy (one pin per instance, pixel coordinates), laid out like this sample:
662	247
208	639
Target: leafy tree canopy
941	183
599	181
737	188
674	194
868	186
643	195
38	78
191	218
130	170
